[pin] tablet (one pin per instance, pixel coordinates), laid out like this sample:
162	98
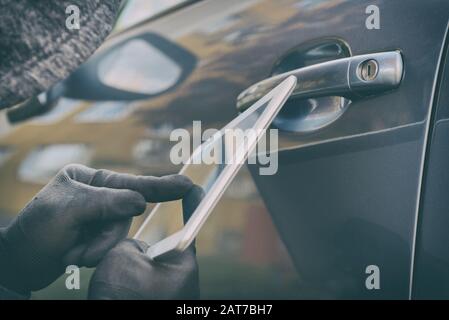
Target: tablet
213	165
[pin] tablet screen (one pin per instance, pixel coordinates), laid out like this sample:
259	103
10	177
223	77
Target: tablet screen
214	164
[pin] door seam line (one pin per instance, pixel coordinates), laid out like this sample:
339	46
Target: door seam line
424	156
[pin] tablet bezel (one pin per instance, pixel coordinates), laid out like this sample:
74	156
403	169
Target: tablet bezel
181	239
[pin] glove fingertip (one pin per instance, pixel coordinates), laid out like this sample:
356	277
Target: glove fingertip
139	203
182	180
129	203
177	183
191	200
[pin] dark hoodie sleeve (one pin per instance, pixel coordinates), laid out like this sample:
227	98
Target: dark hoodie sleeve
5	293
37	49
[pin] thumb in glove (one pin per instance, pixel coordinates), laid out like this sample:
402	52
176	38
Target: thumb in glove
127	272
76	219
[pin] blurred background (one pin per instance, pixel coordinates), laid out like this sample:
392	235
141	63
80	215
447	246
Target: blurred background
240	253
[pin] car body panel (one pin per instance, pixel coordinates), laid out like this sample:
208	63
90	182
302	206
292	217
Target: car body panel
431	272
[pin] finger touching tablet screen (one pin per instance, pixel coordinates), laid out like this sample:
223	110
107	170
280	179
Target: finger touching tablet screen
213	165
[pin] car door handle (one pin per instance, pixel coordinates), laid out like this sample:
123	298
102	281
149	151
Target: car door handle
351	77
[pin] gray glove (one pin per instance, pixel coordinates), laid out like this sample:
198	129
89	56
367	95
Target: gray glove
127	273
76	219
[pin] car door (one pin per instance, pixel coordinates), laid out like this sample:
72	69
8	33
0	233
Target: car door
346	194
430	279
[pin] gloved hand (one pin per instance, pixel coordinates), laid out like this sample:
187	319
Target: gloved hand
126	272
74	220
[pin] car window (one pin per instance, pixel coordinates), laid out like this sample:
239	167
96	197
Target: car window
63	108
135	11
109	111
5	154
44	162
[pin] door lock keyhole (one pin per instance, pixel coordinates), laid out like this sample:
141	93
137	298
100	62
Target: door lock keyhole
368	70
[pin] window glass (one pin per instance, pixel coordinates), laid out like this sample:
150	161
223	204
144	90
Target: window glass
150	152
109	111
136	11
5	154
44	162
59	112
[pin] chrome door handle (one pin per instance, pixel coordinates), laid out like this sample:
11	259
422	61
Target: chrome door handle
350	77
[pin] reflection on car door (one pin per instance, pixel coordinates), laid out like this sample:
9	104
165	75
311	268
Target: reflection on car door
346	195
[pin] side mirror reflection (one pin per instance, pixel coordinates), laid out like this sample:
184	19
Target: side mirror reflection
137	68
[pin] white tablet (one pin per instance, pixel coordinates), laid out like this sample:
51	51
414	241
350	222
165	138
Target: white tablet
213	165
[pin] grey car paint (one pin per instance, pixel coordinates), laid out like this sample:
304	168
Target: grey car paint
431	277
345	196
